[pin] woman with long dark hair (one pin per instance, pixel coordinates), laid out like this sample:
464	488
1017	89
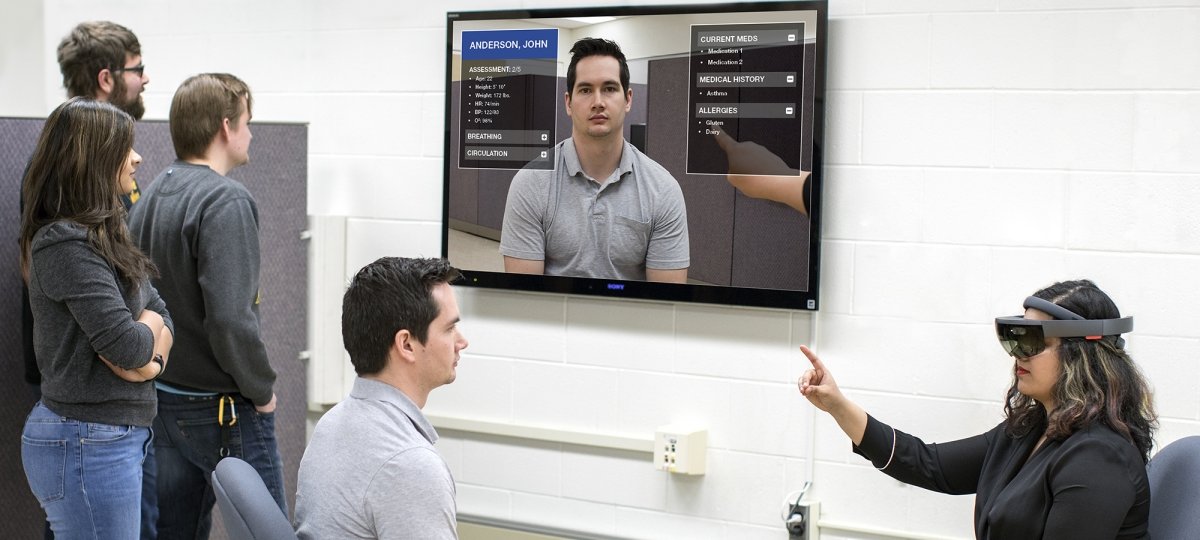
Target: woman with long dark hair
101	332
1069	460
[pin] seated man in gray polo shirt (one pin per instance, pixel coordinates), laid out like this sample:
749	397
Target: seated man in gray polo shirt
370	470
606	210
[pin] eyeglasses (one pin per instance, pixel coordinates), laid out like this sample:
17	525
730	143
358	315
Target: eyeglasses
140	69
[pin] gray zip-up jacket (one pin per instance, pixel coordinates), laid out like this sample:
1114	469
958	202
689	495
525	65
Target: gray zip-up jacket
82	309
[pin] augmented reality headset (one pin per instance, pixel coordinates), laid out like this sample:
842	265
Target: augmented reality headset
1023	337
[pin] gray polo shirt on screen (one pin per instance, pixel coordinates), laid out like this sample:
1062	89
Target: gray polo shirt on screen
613	229
370	471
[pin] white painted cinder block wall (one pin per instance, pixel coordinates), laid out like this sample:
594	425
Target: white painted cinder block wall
977	150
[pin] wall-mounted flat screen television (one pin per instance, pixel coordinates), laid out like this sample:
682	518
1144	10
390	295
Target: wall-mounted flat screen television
690	171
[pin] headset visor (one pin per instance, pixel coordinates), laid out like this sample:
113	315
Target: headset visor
1023	337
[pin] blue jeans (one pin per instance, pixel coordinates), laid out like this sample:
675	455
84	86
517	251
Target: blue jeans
187	444
87	476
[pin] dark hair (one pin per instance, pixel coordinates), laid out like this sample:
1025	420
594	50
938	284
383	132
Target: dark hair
200	106
1098	382
386	296
89	48
596	47
73	176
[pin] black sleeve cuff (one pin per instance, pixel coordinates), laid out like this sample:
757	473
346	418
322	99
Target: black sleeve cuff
878	443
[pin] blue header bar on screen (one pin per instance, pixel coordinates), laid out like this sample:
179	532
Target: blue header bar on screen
509	44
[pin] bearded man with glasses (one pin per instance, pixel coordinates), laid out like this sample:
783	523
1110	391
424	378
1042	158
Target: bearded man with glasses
103	60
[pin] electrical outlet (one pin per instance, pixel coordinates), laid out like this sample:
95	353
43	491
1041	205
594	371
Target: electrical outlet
680	449
802	523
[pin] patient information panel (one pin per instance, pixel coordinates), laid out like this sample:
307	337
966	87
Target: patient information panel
508	99
745	82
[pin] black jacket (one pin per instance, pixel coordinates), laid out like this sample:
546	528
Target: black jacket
1091	485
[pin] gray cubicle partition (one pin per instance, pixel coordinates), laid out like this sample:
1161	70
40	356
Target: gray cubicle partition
278	177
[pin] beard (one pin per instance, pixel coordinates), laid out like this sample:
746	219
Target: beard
119	98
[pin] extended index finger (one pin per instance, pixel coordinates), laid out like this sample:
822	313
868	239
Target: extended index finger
813	359
724	140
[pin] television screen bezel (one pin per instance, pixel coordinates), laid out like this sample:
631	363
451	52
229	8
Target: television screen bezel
806	300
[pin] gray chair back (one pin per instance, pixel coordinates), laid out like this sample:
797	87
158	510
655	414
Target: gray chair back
247	508
1174	474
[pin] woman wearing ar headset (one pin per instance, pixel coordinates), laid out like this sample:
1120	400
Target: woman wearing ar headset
1068	461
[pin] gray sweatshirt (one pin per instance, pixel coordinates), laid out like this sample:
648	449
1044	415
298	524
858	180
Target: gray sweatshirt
201	229
81	309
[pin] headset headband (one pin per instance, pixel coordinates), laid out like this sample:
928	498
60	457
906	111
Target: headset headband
1067	323
1051	309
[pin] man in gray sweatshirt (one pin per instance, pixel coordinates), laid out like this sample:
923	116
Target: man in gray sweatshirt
370	470
201	229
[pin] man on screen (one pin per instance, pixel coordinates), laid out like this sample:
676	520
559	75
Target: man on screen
606	210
